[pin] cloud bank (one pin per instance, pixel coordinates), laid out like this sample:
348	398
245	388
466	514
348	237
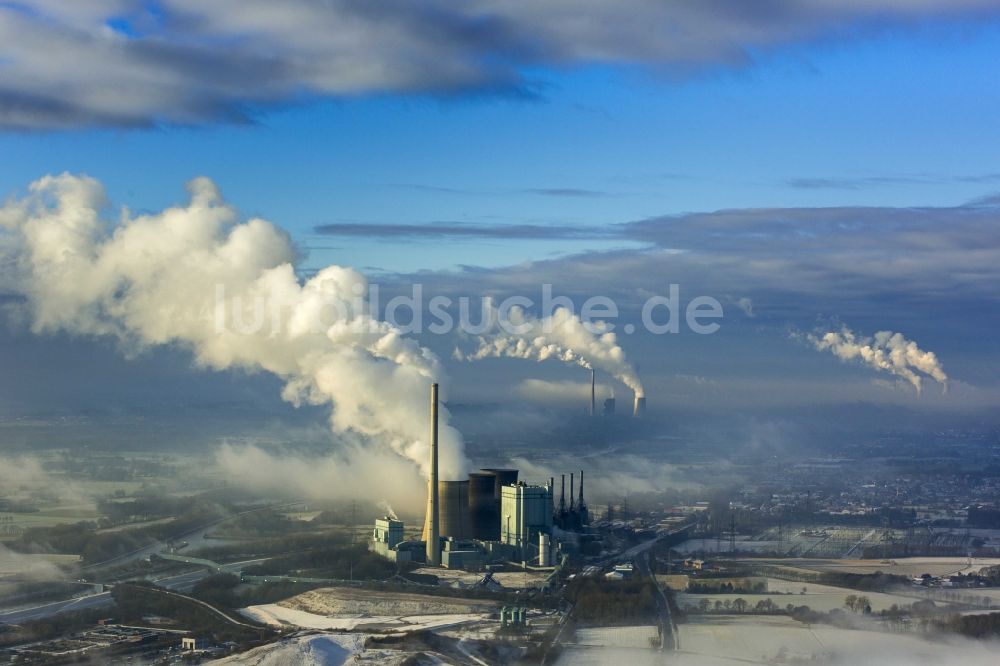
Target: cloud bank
133	63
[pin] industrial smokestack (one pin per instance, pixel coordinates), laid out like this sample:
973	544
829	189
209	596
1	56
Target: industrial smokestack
640	406
580	502
571	492
562	497
433	547
593	396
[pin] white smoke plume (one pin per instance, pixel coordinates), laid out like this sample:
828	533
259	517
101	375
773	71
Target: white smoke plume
387	509
562	336
885	351
198	277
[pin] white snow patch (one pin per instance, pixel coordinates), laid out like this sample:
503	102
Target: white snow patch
281	616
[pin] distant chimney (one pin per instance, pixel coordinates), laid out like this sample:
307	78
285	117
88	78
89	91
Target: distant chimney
640	406
571	492
593	395
562	496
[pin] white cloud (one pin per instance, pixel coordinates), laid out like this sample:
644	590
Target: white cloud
127	62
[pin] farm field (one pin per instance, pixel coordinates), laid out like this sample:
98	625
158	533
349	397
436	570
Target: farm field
767	640
903	566
616	637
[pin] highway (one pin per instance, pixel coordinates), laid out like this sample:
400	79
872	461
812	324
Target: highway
177	582
180	582
668	634
194	537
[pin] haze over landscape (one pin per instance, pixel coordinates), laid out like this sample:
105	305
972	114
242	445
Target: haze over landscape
735	264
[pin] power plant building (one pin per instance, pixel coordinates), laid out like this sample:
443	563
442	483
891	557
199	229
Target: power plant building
525	512
488	517
386	538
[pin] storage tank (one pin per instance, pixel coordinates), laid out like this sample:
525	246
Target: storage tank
484	512
453	509
543	550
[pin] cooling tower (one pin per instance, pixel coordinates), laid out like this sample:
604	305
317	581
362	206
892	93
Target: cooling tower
484	513
453	509
609	407
505	477
640	406
501	478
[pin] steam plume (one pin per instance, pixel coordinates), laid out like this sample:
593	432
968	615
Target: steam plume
198	277
562	336
386	508
886	351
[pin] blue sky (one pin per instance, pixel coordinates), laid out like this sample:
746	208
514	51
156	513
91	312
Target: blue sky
899	118
493	147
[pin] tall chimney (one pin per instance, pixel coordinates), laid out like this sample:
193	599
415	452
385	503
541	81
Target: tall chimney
433	545
571	492
593	397
580	502
562	497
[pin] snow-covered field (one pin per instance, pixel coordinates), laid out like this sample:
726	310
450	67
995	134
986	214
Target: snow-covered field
282	616
317	650
620	637
343	601
769	639
901	566
818	597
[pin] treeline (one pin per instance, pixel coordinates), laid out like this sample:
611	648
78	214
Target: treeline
134	601
150	507
874	582
341	561
598	601
261	523
49	627
982	517
225	591
289	543
83	538
727	587
973	626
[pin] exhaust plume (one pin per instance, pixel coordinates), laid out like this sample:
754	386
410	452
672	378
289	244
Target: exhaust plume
886	351
561	336
386	508
197	277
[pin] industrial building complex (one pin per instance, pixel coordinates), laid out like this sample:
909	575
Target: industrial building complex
487	518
